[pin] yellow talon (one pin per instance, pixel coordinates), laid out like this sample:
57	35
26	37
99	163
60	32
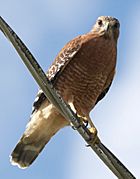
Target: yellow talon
94	138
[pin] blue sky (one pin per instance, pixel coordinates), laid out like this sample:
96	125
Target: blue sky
45	27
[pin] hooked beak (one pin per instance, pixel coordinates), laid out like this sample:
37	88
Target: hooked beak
106	26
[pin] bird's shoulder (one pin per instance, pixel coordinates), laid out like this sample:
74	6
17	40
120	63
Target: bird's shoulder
64	57
67	53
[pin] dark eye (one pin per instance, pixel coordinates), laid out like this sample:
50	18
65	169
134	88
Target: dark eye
100	22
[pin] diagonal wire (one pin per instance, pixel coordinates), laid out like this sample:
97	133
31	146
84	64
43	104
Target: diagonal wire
99	148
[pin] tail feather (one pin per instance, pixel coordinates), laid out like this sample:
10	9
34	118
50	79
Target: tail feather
42	126
24	154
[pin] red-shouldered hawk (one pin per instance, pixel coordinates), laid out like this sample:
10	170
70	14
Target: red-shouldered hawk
82	74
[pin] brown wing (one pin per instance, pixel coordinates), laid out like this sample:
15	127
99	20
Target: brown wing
63	58
61	61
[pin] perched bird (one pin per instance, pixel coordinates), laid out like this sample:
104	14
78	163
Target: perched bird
82	74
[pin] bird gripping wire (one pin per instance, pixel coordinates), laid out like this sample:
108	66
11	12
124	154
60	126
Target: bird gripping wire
104	154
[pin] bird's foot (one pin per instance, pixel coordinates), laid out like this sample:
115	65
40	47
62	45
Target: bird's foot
87	123
82	121
93	137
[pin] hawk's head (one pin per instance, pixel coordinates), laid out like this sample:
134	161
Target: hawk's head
108	26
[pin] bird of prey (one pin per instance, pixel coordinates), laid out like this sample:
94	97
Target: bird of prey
82	74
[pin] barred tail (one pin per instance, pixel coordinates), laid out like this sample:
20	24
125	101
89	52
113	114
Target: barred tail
42	126
24	154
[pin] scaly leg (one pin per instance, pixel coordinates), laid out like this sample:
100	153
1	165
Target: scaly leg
74	110
94	138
